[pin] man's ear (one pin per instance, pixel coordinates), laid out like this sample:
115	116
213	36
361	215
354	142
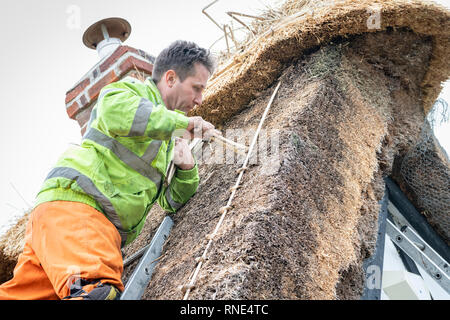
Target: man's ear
171	78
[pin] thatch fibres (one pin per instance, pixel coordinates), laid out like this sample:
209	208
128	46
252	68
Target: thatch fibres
11	246
310	25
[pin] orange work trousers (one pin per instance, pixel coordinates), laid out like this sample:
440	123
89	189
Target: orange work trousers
65	241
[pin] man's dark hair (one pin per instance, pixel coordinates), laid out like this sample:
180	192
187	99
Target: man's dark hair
181	56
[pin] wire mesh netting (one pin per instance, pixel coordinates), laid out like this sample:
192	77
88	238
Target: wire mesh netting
426	170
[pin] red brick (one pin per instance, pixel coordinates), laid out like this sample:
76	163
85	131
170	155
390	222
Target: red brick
120	51
107	79
73	93
72	110
83	130
84	116
83	101
130	63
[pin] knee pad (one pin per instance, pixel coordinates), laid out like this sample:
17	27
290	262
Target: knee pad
83	289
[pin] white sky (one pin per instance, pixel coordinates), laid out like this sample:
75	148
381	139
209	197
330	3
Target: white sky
42	56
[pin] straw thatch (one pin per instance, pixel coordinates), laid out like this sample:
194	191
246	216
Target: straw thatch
351	104
306	218
11	245
309	24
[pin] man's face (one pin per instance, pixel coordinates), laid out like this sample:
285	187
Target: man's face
185	95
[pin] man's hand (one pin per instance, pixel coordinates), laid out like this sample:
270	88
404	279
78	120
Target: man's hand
182	156
199	128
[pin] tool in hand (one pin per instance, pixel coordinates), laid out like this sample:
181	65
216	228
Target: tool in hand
216	136
236	147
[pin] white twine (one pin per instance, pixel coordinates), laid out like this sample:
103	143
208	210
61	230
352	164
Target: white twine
187	288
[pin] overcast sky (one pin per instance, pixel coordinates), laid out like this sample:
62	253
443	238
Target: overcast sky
43	56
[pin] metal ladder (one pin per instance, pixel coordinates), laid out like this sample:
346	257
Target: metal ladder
137	283
413	235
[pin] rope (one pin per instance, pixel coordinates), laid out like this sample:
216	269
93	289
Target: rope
186	289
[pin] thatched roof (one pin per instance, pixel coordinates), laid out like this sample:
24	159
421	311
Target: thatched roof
308	24
302	230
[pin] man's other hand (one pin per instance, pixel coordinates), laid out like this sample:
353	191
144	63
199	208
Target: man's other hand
199	128
182	156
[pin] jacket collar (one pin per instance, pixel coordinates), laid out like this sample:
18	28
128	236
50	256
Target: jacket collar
155	90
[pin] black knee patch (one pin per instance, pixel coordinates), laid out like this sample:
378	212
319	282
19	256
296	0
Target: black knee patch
101	291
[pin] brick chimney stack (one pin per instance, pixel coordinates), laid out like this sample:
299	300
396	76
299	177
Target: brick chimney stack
116	62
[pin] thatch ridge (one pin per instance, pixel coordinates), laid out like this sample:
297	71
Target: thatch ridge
236	84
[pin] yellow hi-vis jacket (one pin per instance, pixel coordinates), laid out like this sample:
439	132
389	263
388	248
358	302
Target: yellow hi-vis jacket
120	167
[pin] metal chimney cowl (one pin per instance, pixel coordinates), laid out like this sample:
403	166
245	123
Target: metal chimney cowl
107	35
108	46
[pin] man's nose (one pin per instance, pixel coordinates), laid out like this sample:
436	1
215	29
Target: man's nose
198	100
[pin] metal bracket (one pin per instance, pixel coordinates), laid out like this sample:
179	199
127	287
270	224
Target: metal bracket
415	220
141	276
421	253
416	241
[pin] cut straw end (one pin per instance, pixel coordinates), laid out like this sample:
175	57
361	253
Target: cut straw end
230	142
241	149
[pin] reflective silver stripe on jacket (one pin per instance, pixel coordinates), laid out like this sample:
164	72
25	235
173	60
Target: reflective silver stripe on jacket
152	151
173	203
91	119
125	155
93	116
141	118
89	188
